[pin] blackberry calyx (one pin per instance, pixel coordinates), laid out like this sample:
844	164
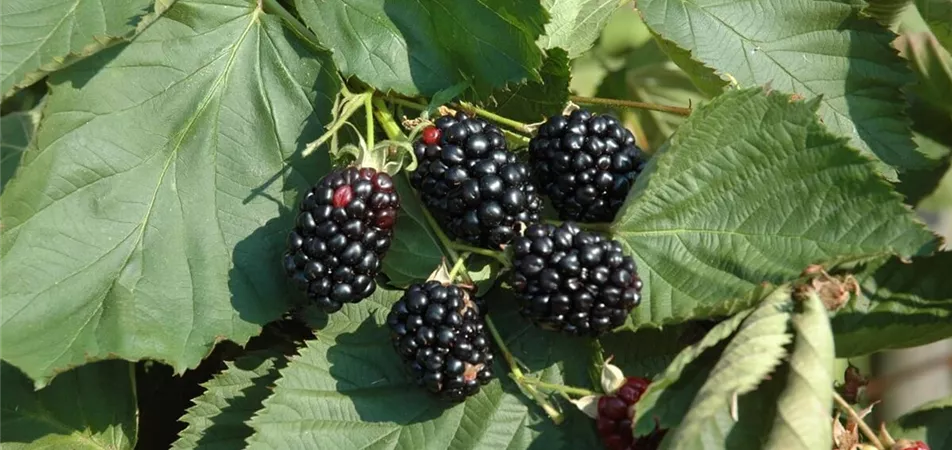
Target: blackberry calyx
573	281
441	338
342	233
586	164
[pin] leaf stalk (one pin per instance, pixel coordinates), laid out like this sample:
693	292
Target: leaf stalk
630	105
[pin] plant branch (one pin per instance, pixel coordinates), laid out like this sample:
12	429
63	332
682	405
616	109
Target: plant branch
867	431
569	390
630	104
498	256
368	106
460	264
514	124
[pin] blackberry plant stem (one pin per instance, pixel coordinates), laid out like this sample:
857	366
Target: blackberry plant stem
630	104
298	28
368	105
867	431
460	263
514	124
498	256
569	390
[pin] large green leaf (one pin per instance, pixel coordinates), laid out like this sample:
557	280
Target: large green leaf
349	389
90	407
752	189
149	222
803	410
534	101
218	419
929	423
933	67
41	36
16	133
886	11
937	14
816	48
417	47
749	357
903	305
576	24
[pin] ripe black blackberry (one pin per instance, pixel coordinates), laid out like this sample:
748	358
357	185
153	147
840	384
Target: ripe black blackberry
343	231
586	164
440	335
473	185
573	281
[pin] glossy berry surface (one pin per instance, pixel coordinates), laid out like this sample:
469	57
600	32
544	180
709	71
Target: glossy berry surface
573	281
343	230
440	335
586	164
615	413
477	189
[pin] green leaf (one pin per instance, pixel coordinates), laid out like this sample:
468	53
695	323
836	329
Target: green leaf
932	65
534	101
415	251
749	357
936	13
150	221
16	133
576	24
886	12
218	419
667	397
424	47
349	389
90	407
928	423
41	36
753	189
857	77
903	305
803	410
919	185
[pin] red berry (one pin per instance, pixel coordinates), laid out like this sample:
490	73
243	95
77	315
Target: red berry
632	390
342	196
605	426
616	442
917	445
612	407
431	135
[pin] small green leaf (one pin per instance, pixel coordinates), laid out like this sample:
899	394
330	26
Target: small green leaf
928	423
534	101
150	223
41	36
903	305
749	357
575	24
424	47
349	389
752	189
658	403
933	67
936	13
16	134
857	77
90	407
885	12
803	410
218	419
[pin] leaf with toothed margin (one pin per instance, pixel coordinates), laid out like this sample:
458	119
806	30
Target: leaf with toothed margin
149	223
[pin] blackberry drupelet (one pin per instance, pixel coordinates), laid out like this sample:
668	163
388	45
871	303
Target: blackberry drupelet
573	281
615	413
343	231
586	164
440	335
476	189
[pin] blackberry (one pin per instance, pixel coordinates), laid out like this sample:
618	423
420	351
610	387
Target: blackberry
615	413
586	164
573	281
342	233
476	189
440	335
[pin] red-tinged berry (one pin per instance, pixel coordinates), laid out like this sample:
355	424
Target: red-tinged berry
612	407
343	231
905	444
615	414
431	135
632	390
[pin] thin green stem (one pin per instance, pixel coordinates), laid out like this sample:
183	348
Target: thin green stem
368	106
498	256
387	121
506	354
630	104
273	7
844	406
514	124
460	264
407	103
570	390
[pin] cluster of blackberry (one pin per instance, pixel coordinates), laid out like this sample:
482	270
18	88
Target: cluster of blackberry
615	412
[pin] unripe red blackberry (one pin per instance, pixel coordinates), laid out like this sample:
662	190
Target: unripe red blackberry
440	335
477	189
615	413
343	231
573	281
586	164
